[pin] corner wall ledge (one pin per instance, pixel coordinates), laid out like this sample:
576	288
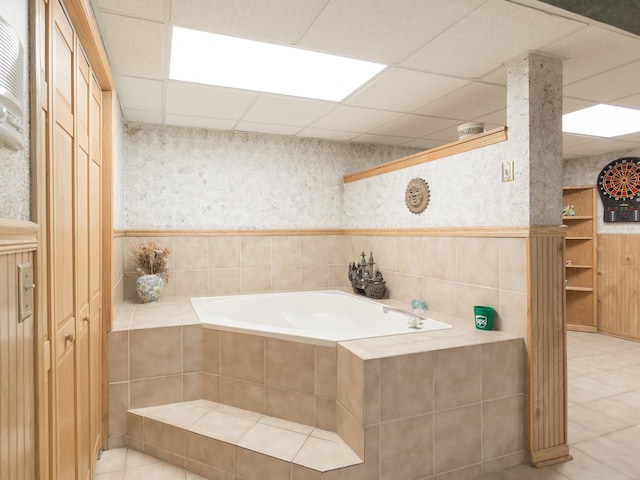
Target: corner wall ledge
18	236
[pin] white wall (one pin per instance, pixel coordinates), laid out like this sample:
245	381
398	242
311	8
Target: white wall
186	178
15	182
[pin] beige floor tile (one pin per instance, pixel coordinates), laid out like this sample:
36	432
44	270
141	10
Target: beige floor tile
111	460
273	441
621	457
579	395
136	458
223	427
597	387
595	421
117	475
156	471
325	455
617	410
523	472
629	436
193	476
585	467
579	433
631	398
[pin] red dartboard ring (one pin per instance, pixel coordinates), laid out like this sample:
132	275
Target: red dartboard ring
620	179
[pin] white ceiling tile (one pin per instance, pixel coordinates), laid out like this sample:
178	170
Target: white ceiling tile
571	104
460	39
414	126
198	122
380	139
468	103
327	134
276	22
283	110
630	137
355	119
135	46
202	101
267	128
597	148
632	101
593	50
423	144
149	9
487	38
497	76
607	86
141	116
140	93
400	90
571	140
380	30
447	135
493	120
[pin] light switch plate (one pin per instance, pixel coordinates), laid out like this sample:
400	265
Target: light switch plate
507	171
25	291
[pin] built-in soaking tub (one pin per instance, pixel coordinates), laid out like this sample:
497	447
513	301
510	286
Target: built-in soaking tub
321	316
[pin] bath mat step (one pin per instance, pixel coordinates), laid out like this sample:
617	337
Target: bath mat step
211	439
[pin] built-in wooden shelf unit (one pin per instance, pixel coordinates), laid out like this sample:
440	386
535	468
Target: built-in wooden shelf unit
581	259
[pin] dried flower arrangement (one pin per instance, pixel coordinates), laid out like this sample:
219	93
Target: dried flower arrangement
150	259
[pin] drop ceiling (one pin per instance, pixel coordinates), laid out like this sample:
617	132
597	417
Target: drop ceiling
447	65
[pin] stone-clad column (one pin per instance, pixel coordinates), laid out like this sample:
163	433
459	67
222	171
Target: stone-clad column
534	121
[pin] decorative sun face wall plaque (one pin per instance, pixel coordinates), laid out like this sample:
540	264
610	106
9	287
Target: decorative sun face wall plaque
417	195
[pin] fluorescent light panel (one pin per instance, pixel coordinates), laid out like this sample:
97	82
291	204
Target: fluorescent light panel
602	121
214	59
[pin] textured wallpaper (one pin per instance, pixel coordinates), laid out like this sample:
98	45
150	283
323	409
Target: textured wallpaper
187	178
466	190
585	171
15	165
118	168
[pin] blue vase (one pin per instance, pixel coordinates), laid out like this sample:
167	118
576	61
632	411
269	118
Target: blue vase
149	288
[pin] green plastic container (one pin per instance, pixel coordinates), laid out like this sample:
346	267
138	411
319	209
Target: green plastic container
483	317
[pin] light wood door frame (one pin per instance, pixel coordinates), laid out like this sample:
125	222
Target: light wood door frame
85	25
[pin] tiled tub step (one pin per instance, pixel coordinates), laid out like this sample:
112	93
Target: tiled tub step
215	440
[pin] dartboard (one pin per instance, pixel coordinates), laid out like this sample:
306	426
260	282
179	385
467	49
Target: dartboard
620	179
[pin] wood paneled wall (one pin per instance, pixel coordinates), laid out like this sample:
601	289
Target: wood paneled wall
546	351
619	285
17	376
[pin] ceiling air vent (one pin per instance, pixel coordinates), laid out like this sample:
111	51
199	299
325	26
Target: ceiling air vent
11	86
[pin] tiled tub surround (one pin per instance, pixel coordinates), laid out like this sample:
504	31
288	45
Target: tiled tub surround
451	273
447	404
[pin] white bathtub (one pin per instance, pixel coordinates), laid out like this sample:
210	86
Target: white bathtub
329	316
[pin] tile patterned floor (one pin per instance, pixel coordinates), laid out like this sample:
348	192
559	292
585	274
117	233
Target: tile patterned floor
604	422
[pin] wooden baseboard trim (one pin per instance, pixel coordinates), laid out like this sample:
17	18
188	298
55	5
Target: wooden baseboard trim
618	334
550	456
581	328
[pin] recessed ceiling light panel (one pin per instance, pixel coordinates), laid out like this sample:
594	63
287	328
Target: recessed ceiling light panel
602	121
213	59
